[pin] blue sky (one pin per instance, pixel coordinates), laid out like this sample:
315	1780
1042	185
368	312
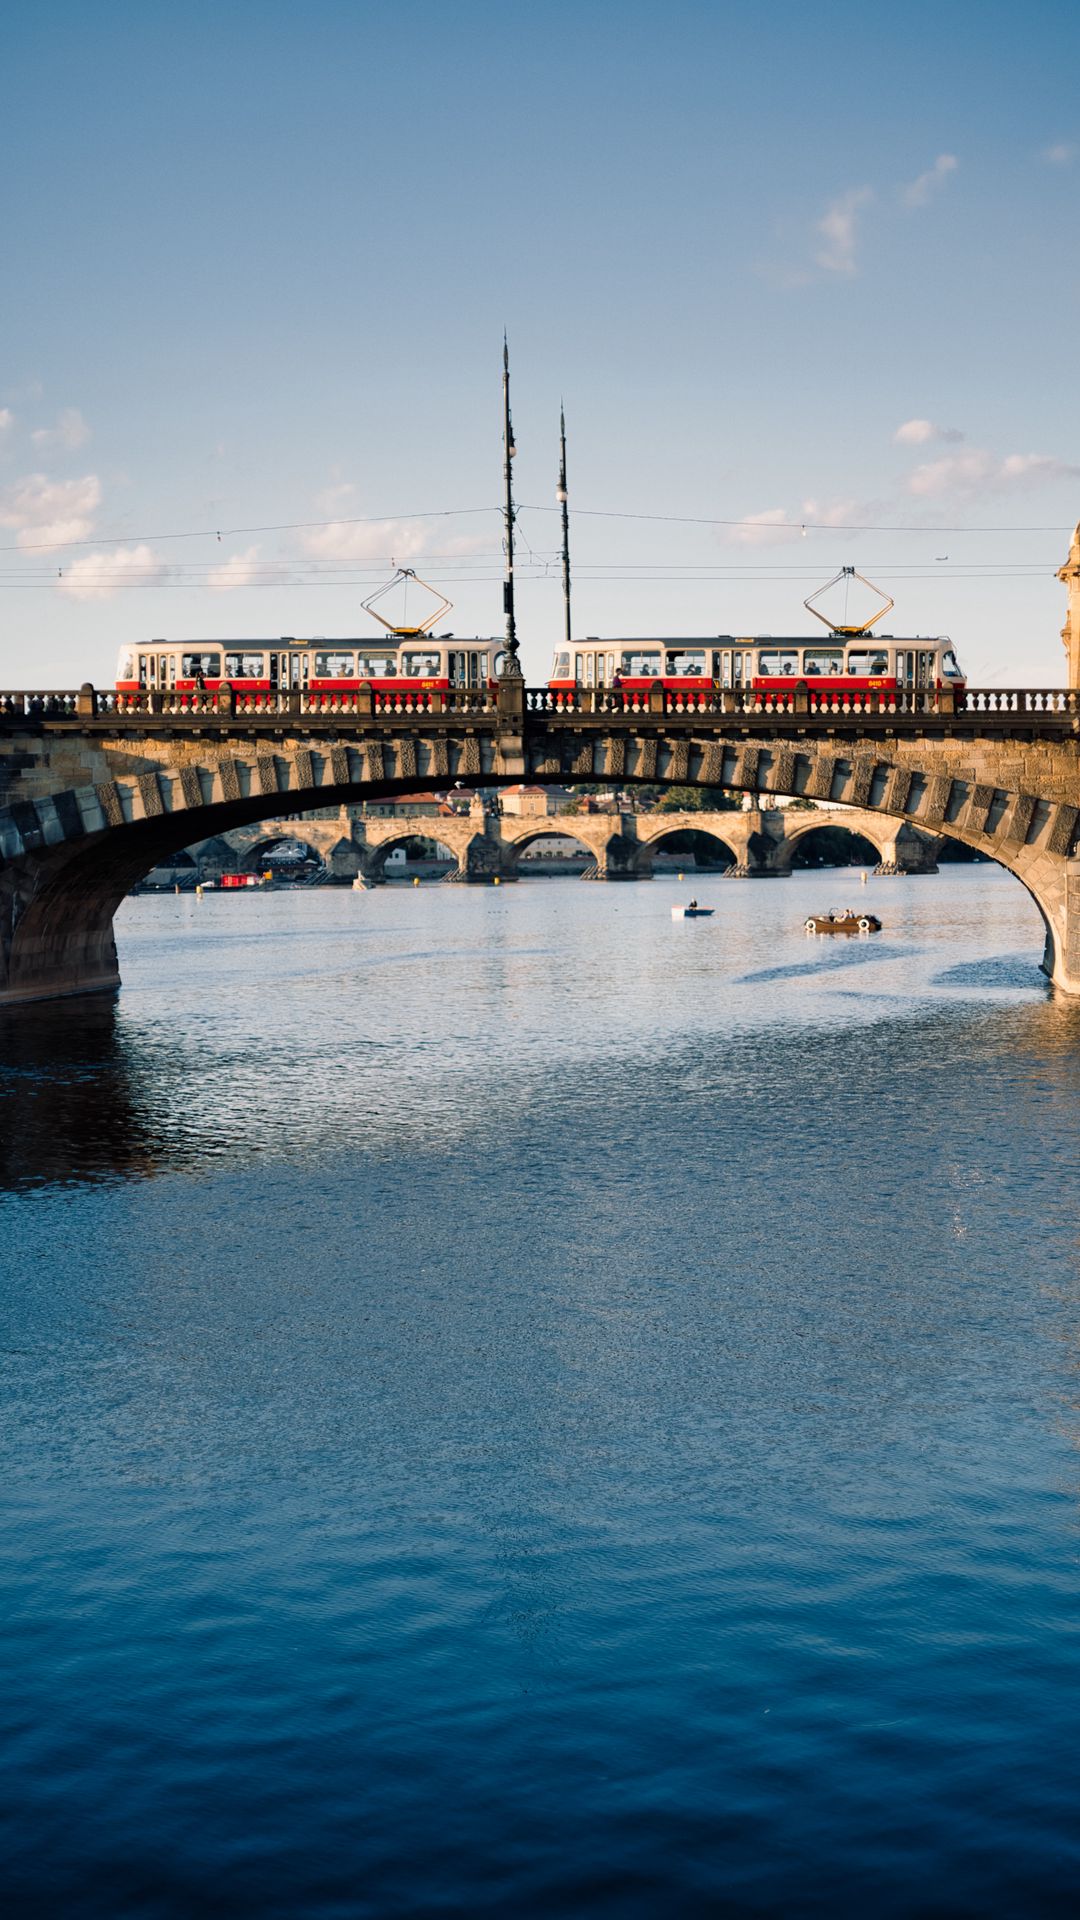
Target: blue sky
258	260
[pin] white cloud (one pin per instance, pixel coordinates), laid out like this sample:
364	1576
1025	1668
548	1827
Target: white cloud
239	570
50	513
920	190
97	576
837	228
70	432
399	540
840	513
1059	154
7	421
916	433
978	471
767	529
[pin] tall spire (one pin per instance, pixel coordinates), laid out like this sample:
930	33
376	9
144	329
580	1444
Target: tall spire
563	498
509	516
1069	575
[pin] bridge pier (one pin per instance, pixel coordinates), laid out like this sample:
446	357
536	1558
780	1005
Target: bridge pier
56	931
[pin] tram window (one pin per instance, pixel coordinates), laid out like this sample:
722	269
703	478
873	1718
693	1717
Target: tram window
483	666
686	660
867	661
950	665
823	660
376	666
335	666
208	664
778	662
420	666
126	667
641	663
244	666
579	667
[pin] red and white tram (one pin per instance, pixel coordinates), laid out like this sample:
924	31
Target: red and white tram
762	665
313	666
409	660
851	660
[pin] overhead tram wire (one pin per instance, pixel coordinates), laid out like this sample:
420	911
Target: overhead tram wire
592	513
231	533
786	526
533	576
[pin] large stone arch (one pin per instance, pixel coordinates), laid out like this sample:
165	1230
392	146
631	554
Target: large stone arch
92	803
64	873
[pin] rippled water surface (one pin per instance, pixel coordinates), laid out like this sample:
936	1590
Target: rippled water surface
514	1405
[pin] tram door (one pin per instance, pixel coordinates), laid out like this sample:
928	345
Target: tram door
457	668
154	670
916	666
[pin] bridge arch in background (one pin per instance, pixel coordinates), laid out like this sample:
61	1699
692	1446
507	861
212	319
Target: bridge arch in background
409	835
725	848
254	857
555	827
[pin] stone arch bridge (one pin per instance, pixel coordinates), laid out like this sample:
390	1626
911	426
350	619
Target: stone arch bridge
96	789
483	843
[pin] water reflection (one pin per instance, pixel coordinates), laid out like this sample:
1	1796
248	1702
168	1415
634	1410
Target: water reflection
424	1023
69	1106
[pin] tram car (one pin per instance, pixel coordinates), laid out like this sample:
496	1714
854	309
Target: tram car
850	660
762	665
409	659
313	666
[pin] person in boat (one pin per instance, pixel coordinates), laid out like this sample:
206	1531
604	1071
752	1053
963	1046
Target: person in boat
693	906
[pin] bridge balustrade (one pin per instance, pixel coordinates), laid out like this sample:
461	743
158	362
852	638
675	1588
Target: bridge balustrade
785	702
70	703
49	705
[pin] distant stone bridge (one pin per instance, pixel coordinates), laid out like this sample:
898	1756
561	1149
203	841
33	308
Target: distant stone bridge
484	844
96	789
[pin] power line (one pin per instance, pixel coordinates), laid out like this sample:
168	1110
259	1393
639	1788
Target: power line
229	533
785	526
760	527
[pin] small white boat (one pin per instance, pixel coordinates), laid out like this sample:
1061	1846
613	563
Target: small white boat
692	913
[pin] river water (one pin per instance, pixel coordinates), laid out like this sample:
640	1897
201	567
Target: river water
515	1405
